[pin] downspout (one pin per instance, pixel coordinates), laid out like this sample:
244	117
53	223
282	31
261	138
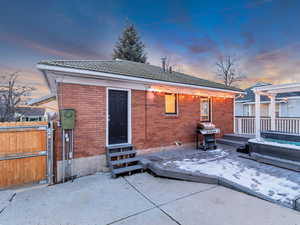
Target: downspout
72	143
234	113
58	98
63	156
257	115
146	115
60	106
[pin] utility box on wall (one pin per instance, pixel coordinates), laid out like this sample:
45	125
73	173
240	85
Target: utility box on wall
67	117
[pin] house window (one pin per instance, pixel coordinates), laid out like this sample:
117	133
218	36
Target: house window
205	109
171	104
245	110
248	109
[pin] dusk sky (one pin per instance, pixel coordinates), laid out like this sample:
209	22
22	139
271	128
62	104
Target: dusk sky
263	34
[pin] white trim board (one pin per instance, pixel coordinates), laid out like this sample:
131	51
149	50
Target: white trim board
263	102
129	106
88	73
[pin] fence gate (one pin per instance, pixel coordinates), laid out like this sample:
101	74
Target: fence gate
26	150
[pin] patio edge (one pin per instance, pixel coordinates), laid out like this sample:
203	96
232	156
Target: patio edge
210	179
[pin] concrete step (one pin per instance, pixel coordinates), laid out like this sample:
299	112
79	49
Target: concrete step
230	142
123	161
238	137
127	169
123	153
119	148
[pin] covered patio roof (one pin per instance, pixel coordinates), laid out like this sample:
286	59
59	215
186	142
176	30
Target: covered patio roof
276	89
271	91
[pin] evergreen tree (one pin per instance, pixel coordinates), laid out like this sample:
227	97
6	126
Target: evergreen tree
129	46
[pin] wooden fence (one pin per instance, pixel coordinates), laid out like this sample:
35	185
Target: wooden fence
25	153
246	125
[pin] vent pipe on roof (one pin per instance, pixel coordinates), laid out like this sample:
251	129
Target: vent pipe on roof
163	63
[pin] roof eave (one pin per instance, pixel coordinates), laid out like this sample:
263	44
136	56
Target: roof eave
44	75
42	100
84	72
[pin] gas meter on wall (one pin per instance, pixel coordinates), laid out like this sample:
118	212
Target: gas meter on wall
67	117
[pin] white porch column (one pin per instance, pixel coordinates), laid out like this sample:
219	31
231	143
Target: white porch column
273	111
257	115
234	117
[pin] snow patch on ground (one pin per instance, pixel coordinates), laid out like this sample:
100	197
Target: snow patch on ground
279	189
210	156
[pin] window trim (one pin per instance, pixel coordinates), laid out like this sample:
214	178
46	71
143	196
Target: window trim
209	107
176	104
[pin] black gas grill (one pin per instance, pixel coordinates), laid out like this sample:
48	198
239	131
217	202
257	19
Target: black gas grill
207	132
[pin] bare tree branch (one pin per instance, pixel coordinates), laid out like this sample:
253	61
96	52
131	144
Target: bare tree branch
227	70
11	96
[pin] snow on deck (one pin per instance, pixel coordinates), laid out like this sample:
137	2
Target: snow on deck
276	187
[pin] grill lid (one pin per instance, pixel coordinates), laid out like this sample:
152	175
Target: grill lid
206	126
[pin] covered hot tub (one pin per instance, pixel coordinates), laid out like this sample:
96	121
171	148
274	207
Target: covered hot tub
277	148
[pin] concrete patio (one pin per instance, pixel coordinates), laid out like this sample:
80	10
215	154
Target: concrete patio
138	199
226	167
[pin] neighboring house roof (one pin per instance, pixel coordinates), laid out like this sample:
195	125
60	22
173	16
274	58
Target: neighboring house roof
28	112
42	100
250	96
138	70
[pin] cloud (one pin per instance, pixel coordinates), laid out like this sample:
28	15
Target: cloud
280	65
254	4
250	5
194	64
277	65
280	53
62	49
198	45
27	77
202	45
249	39
258	36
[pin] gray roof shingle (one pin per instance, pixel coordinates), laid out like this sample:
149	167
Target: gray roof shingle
134	69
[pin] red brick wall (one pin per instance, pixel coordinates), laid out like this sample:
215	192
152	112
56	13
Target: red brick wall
150	126
90	104
222	114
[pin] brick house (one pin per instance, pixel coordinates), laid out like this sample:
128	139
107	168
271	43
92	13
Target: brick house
123	102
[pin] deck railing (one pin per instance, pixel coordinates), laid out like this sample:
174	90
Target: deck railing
246	125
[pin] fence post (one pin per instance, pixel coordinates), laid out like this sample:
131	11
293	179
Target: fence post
50	152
